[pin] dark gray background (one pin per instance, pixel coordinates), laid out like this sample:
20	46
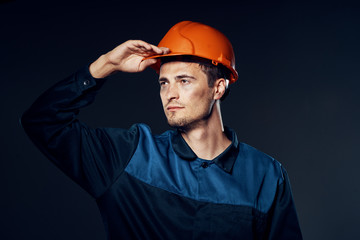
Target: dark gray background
296	99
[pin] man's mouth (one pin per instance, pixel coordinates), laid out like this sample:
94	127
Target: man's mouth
174	108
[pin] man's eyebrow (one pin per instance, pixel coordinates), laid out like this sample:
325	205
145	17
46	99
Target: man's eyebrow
184	76
177	77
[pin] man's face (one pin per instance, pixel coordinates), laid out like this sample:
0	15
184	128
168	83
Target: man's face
186	97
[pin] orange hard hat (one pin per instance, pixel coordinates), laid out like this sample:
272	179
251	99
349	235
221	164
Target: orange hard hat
197	39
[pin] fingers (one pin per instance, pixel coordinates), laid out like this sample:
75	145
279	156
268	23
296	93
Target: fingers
146	49
165	50
130	55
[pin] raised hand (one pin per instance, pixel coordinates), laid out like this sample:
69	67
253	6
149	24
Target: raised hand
127	57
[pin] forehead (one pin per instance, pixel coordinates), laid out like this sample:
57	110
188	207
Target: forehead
179	68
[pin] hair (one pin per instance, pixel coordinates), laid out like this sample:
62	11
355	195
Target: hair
213	72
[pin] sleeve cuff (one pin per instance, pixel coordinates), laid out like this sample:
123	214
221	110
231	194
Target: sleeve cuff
86	80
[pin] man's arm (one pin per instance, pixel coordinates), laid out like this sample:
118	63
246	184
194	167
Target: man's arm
91	157
284	222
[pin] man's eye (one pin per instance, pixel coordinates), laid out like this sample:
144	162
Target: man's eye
184	81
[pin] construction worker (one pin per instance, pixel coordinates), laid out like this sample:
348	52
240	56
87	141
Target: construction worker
194	182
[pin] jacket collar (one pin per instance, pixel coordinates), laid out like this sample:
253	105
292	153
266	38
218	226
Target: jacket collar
225	160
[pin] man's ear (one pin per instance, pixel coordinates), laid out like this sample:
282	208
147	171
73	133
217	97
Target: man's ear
219	88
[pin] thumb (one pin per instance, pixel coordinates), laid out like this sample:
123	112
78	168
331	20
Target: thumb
146	63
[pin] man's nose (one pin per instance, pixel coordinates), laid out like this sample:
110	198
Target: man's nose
172	92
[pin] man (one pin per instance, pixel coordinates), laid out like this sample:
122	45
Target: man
194	182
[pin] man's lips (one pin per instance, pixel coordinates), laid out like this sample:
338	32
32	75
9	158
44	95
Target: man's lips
174	108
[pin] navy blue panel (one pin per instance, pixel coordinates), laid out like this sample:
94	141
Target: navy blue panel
147	212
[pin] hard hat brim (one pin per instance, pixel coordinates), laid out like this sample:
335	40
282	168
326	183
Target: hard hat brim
233	77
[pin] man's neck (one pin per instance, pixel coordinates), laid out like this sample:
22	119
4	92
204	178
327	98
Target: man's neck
208	139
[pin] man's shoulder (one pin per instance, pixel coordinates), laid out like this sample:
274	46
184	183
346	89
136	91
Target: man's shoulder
259	161
250	151
146	130
146	136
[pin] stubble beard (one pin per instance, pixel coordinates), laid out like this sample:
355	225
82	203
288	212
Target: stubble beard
187	123
183	123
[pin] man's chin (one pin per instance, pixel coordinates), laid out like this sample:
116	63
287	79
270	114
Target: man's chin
178	123
182	124
175	124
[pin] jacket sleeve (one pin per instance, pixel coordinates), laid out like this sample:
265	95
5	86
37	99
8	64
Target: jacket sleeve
284	222
93	158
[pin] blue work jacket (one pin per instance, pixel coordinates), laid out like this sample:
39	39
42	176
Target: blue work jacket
154	186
